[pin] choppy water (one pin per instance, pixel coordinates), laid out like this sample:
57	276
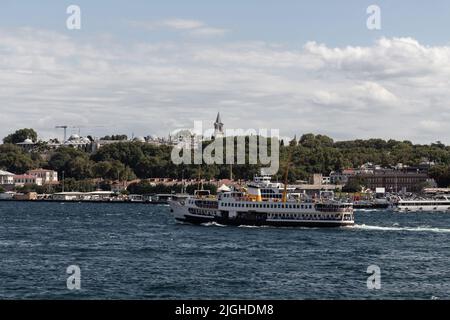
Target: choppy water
138	251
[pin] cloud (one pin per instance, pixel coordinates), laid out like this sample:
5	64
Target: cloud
183	24
208	32
395	88
193	28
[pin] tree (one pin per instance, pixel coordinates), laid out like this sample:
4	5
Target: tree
353	185
117	137
79	168
120	171
74	163
12	158
20	135
441	174
129	153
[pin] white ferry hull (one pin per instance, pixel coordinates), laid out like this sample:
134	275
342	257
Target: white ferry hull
181	213
407	209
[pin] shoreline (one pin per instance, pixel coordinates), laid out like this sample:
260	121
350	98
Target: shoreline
87	201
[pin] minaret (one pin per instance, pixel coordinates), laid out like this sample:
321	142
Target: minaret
218	127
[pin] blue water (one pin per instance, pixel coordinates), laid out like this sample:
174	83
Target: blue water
137	251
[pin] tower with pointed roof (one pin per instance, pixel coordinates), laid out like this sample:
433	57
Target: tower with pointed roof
218	127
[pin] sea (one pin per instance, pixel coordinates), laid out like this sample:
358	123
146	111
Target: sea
137	251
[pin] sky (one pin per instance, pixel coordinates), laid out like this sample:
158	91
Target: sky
148	68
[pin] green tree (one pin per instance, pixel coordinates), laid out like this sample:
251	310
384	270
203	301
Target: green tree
79	168
73	162
20	135
353	185
12	158
441	174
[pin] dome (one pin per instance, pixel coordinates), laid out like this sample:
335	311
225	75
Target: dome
74	137
139	139
185	133
28	141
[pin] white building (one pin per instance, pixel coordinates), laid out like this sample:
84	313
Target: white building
47	176
6	177
24	179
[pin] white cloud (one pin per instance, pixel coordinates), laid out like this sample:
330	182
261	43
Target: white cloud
183	24
208	32
188	27
395	88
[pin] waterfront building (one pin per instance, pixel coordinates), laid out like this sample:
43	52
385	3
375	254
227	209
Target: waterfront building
26	179
341	177
47	176
83	196
316	185
319	179
393	180
6	178
25	196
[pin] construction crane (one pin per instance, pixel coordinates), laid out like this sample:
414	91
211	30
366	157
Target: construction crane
65	131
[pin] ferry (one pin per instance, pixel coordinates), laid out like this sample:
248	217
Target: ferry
439	203
249	209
